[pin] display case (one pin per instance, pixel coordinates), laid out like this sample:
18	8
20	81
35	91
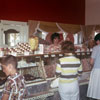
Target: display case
32	67
38	76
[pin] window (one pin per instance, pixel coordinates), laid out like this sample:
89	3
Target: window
12	39
78	38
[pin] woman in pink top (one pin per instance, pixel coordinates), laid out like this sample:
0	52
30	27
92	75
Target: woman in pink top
55	46
50	63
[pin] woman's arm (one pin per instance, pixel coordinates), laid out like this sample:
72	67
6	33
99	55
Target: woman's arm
92	61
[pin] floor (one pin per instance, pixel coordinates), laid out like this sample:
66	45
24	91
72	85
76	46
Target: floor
91	99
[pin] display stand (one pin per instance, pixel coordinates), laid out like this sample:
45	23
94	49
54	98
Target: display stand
39	89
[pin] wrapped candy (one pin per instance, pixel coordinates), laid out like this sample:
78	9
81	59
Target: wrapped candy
33	42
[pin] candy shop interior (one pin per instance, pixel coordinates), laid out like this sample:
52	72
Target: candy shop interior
31	43
27	31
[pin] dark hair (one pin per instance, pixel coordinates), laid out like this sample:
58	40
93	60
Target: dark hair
67	46
55	35
9	60
97	37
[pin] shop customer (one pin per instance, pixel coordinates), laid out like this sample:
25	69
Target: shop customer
94	83
14	87
68	68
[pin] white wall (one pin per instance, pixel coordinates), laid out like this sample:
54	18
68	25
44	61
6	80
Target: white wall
92	12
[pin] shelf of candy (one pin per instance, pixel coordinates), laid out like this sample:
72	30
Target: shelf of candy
50	70
84	54
50	64
33	74
86	64
52	49
32	68
19	49
23	64
82	51
81	48
33	42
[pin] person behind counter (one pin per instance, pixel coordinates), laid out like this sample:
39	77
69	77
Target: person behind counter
94	83
55	46
14	87
50	64
68	68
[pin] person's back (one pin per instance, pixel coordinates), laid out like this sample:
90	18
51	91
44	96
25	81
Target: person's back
68	68
14	87
93	90
17	85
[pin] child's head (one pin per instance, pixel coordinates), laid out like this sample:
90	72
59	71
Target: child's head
9	65
68	47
